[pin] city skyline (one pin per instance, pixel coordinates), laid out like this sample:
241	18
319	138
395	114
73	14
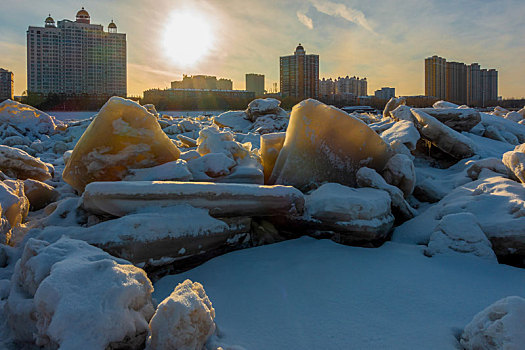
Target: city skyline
350	37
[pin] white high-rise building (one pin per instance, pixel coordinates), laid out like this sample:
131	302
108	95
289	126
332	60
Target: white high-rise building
76	58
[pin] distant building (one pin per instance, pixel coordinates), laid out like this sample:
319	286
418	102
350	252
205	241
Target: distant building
7	80
385	93
460	83
456	82
435	77
326	87
299	74
354	85
255	83
198	98
206	82
76	58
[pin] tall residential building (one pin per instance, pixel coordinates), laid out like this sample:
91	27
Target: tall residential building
299	74
386	93
456	82
202	82
435	77
76	57
6	84
460	83
255	83
482	85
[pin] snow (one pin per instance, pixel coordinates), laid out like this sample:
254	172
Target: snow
499	326
316	294
19	164
515	162
177	170
399	171
403	131
184	320
444	104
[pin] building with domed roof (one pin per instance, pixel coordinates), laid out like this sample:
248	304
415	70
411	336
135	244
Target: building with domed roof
76	57
299	74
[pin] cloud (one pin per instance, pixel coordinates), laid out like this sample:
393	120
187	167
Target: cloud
341	10
304	19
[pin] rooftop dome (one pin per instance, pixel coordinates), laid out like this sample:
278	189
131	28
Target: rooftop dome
83	16
112	27
299	47
50	22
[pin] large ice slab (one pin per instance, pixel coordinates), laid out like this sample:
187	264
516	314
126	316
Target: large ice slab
222	199
159	236
325	144
515	162
28	119
462	119
123	136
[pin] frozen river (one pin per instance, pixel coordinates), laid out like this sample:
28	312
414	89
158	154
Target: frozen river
85	115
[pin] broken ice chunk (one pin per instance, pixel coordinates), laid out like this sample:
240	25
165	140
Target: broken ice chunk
271	145
325	144
123	136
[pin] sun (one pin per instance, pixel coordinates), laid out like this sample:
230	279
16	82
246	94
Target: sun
188	37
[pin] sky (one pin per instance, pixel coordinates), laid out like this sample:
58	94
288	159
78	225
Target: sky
385	41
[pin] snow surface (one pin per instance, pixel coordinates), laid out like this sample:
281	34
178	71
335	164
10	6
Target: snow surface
316	294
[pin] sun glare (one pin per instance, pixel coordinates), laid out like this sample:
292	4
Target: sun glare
188	37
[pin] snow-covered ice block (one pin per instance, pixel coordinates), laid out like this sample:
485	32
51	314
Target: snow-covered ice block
325	144
72	295
444	104
236	120
399	171
514	116
271	145
457	119
502	124
18	164
266	124
499	111
494	164
28	119
123	136
14	207
445	138
353	216
170	171
499	326
515	162
262	106
222	199
210	166
184	320
498	204
39	193
403	131
460	233
392	104
367	177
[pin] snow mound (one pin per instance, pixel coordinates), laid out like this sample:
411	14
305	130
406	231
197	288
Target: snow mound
499	326
460	233
72	295
184	320
403	131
